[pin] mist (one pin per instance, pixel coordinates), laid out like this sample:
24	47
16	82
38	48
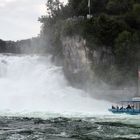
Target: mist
32	83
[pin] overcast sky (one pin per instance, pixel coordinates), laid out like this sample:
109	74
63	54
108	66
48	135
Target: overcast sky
18	18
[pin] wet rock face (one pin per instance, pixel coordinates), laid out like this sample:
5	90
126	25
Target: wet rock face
103	56
78	59
76	63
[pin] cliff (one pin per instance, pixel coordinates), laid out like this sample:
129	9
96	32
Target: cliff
77	66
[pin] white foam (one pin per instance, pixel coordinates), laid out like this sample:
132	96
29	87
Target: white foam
34	84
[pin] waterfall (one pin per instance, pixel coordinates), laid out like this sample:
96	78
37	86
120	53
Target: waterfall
34	83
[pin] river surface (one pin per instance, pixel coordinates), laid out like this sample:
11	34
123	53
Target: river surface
37	103
70	128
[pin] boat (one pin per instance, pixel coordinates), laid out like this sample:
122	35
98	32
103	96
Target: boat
131	107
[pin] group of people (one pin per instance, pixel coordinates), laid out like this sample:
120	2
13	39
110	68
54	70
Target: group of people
128	107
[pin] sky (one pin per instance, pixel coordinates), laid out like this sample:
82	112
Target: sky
19	18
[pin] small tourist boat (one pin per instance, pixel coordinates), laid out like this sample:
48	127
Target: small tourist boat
131	107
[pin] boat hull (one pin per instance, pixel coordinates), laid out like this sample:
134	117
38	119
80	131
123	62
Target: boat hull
126	111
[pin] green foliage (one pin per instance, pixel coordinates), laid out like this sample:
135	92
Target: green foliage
70	28
80	7
136	9
127	49
118	7
54	7
115	25
2	46
107	29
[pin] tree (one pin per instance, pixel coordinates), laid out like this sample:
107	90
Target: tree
118	6
54	7
127	49
136	11
3	46
107	29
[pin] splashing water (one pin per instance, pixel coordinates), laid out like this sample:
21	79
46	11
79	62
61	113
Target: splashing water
33	83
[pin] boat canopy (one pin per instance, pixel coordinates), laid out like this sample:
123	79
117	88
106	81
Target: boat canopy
130	101
133	100
136	99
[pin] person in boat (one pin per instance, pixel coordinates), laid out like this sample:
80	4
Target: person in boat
113	107
128	107
121	108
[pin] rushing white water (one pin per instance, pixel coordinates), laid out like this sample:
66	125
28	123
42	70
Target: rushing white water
33	83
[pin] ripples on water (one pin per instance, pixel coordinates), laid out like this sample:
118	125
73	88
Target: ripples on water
61	128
